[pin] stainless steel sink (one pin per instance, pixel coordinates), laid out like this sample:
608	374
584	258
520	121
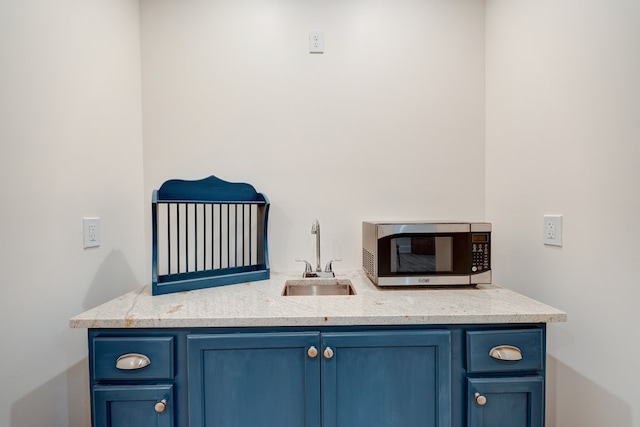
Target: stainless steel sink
317	287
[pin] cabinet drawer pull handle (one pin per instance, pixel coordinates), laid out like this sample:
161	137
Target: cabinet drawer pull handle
328	353
160	406
132	361
480	399
506	352
312	352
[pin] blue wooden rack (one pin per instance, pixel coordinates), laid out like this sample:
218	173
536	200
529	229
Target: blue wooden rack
208	233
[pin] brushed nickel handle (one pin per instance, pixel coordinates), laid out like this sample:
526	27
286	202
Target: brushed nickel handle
160	406
312	352
328	353
480	399
132	361
506	352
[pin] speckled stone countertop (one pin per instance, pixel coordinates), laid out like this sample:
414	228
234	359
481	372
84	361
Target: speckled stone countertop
261	303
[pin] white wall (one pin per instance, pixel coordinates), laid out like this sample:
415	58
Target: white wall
70	146
563	132
388	123
228	88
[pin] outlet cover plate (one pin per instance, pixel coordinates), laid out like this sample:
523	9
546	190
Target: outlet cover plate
91	232
552	229
316	42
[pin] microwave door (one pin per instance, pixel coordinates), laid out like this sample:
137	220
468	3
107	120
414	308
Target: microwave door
420	255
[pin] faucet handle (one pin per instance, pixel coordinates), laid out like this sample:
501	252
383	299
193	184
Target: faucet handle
307	265
329	267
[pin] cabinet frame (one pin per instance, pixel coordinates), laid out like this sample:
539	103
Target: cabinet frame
458	365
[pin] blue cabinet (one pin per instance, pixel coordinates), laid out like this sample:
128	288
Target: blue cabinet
393	376
395	379
505	378
506	402
389	378
133	378
133	405
254	379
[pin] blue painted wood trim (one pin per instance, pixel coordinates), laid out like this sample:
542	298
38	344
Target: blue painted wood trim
210	282
207	189
263	224
154	240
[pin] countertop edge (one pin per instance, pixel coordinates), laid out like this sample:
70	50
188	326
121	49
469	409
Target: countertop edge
261	304
314	322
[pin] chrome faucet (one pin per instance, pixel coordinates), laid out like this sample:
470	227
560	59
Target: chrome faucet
315	229
308	270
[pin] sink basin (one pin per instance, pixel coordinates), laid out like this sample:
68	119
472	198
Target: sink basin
317	287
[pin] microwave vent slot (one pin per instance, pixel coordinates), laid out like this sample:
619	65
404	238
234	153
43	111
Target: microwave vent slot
368	263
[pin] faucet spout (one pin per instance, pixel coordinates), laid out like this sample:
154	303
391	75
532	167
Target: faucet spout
315	229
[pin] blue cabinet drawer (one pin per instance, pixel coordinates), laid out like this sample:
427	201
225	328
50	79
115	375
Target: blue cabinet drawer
134	358
505	350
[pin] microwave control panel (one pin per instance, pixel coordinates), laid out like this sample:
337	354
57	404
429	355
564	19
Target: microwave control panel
480	251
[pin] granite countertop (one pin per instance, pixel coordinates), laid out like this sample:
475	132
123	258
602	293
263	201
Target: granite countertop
261	303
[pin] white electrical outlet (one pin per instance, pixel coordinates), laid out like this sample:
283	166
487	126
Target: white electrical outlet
316	42
91	232
552	230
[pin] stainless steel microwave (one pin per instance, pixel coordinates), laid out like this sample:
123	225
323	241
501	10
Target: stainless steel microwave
426	253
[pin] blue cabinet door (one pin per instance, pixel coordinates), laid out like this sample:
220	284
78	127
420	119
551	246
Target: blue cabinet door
506	402
133	405
390	379
254	379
